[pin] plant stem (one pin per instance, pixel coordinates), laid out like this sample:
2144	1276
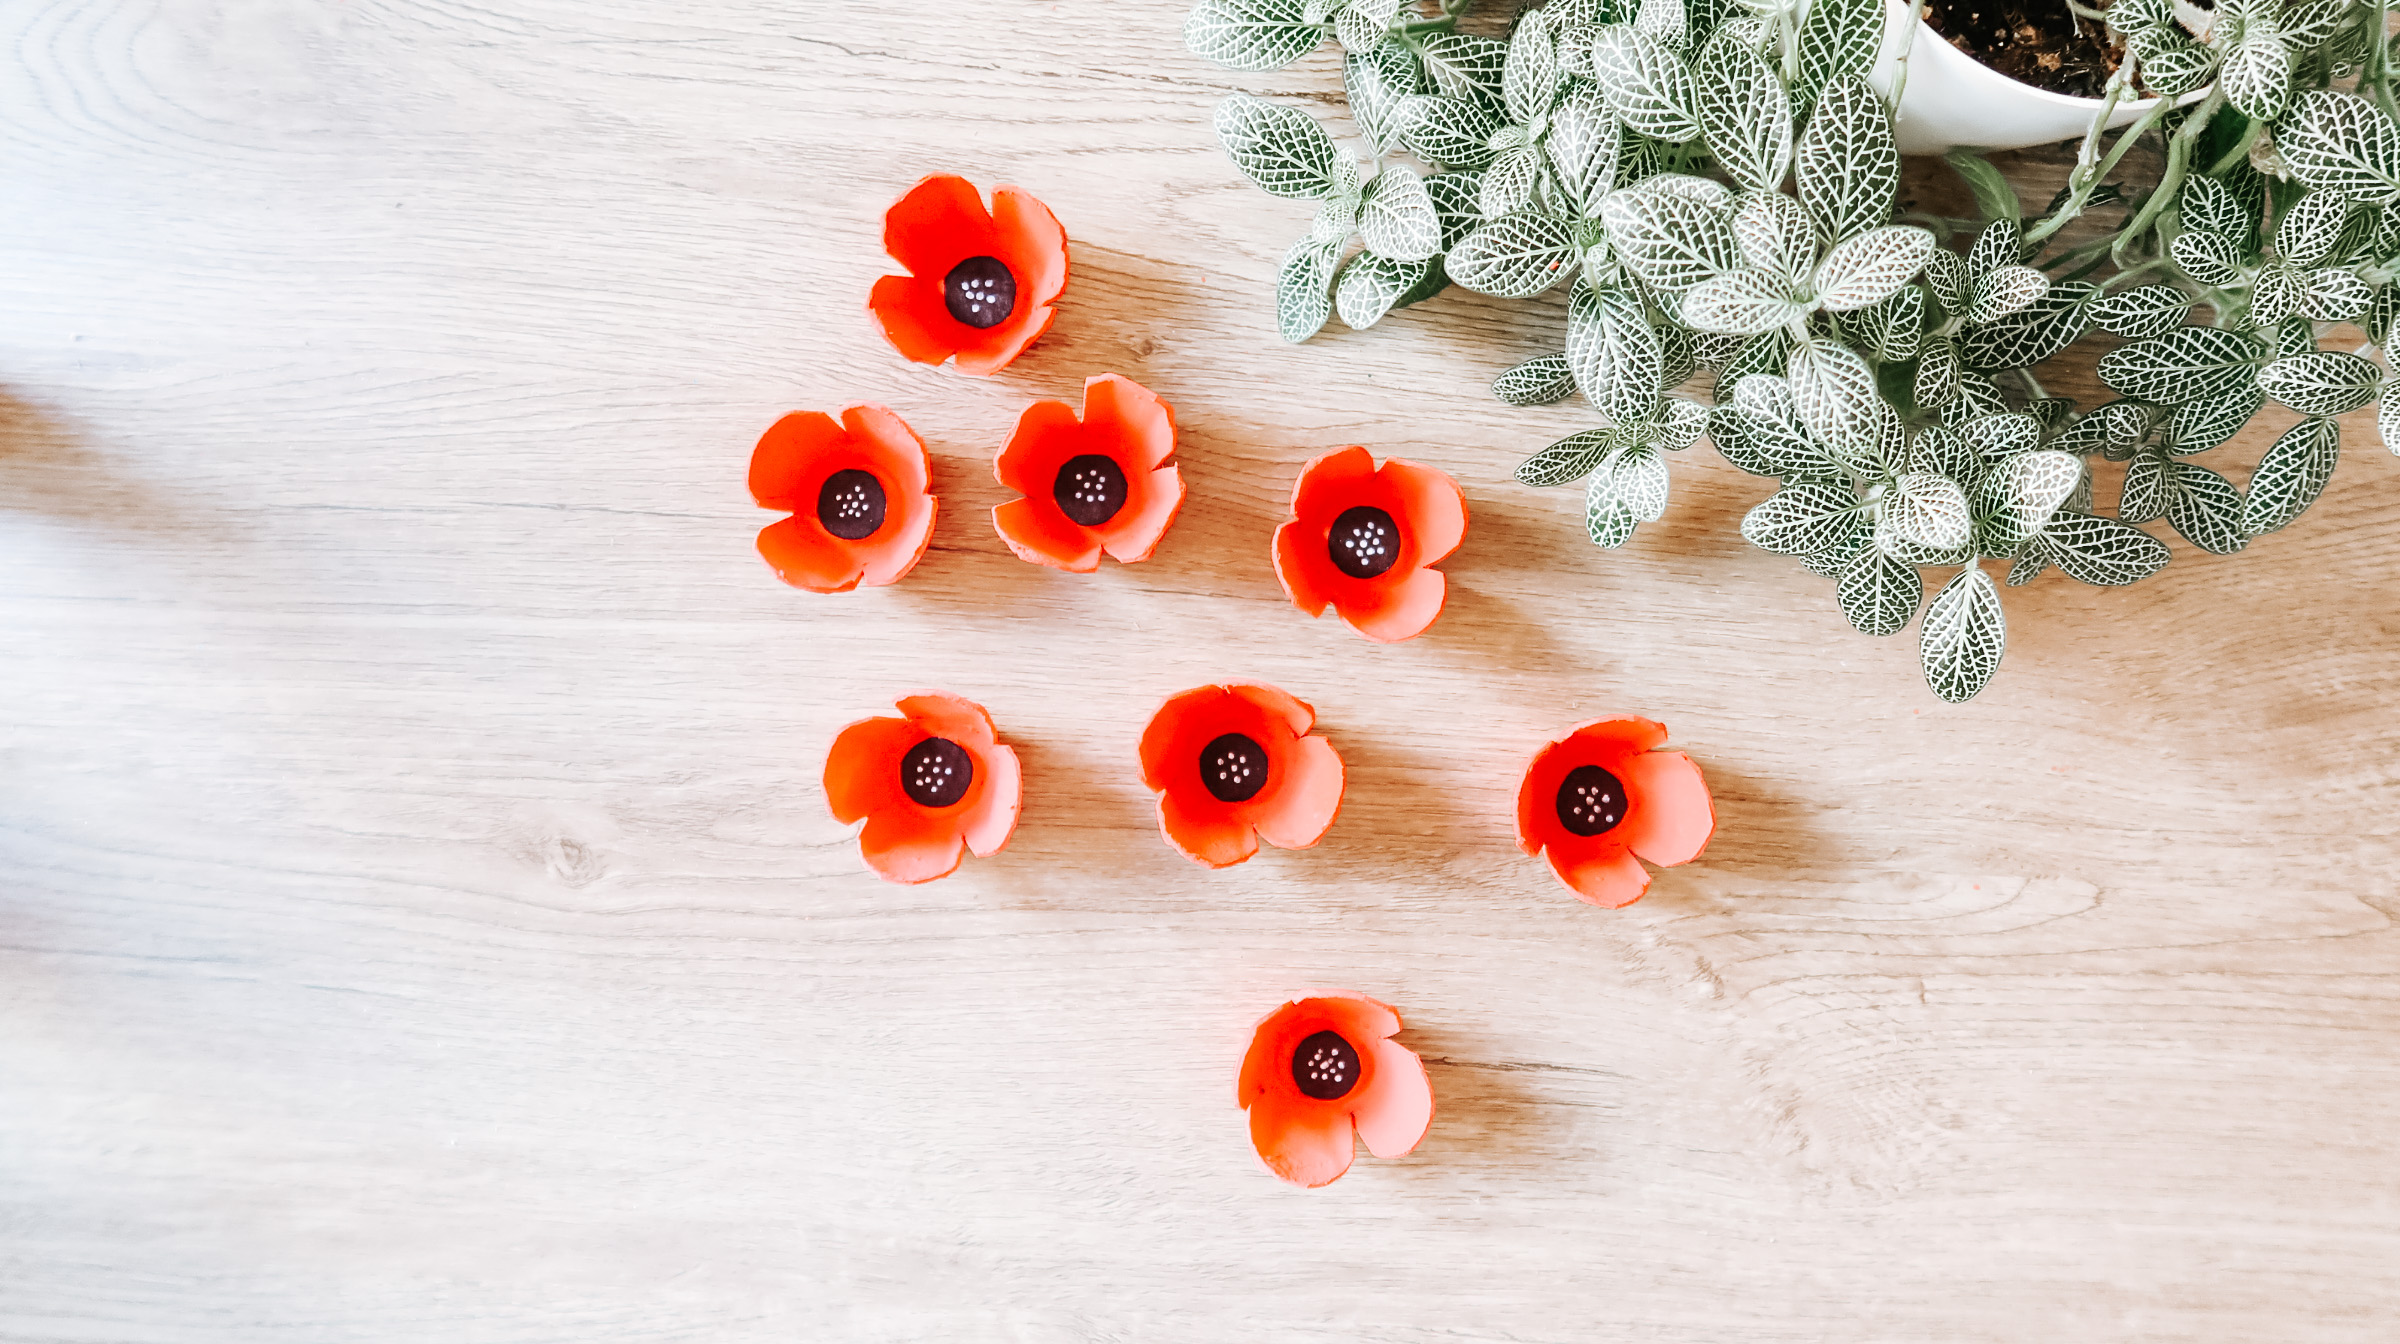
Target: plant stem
2086	177
2170	182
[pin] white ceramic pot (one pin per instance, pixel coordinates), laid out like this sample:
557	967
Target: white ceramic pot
1951	99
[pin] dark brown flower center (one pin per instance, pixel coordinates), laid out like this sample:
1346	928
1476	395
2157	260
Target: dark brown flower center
1591	801
1325	1066
1090	489
850	504
1234	768
980	291
1365	542
936	773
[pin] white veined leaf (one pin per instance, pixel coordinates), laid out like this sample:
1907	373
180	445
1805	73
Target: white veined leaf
1647	85
1375	82
1834	392
1929	509
1508	184
2258	73
1639	478
1467	67
1872	266
2002	434
1304	288
2275	294
2311	227
1516	257
2027	567
1803	516
2179	69
1879	592
1337	218
1838	38
1679	425
1680	358
1836	557
1571	458
1742	303
1769	426
1281	149
2021	493
2205	508
2207	204
2307	23
1744	112
1529	76
1665	20
1880	451
2187	364
2322	382
1978	396
1251	34
2387	420
1773	233
1963	637
1669	238
2291	476
2149	310
2335	295
1894	330
1952	284
1371	286
2145	494
1582	144
2295	336
1606	515
1358	31
2137	16
2007	290
1848	165
1453	132
1457	201
1999	245
2342	143
1396	218
1614	354
1944	450
2101	551
1536	382
2209	258
1937	373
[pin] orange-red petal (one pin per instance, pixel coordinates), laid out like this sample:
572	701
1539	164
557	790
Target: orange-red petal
1205	834
1400	610
1045	537
992	817
938	224
1433	505
1305	1144
903	841
941	222
783	472
1133	416
1307	797
903	845
1398	1107
1280	706
1424	504
1294	570
862	770
803	555
1034	243
1602	874
1134	534
790	465
913	318
1121	420
1672	817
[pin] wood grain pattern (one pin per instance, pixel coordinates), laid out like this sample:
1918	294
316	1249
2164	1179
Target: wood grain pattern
419	919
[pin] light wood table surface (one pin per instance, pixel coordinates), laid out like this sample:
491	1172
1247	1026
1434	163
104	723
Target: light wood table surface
420	920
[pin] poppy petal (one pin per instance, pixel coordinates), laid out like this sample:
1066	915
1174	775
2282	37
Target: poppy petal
1035	244
902	462
940	714
913	319
1672	816
1398	611
992	818
1277	704
1398	1107
1436	510
1132	415
1047	434
782	474
895	551
1607	875
1625	733
1356	1016
986	353
940	221
902	844
1308	796
803	556
1258	1067
1296	566
1304	1144
1327	481
1165	737
862	771
1045	537
1213	838
1134	537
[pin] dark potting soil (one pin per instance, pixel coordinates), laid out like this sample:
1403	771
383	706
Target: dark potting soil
2037	42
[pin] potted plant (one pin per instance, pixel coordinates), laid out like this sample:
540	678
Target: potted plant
1716	185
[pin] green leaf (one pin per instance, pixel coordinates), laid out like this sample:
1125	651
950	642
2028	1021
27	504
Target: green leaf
1371	286
2335	295
1614	354
2150	310
1358	31
2387	422
1467	67
1834	392
1872	266
1582	145
1666	21
1536	382
2340	142
1251	34
1964	634
2258	73
1515	257
2145	493
2275	294
1773	233
1893	331
2209	258
2179	69
1742	303
1952	285
1529	77
2198	426
2002	434
2291	476
1647	85
2033	333
1508	184
1281	149
2322	382
1457	203
1671	239
2000	245
1396	218
1452	132
1994	197
1639	478
1803	516
2209	206
1878	592
2187	364
2100	551
1304	288
1571	458
1838	39
2311	227
1937	373
1929	509
1679	425
2021	494
1848	165
1609	517
2009	289
2205	508
1744	113
1943	450
1375	82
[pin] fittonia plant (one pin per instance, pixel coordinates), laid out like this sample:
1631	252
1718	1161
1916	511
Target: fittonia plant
1715	180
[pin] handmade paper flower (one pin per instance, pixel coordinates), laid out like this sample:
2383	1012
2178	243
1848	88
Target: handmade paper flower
1361	538
1603	798
979	285
928	784
1321	1066
856	491
1097	484
1233	763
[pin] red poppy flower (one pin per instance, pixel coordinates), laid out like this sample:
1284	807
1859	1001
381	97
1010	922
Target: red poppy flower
927	784
1321	1066
1091	485
1232	763
1603	798
1361	538
979	285
856	492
